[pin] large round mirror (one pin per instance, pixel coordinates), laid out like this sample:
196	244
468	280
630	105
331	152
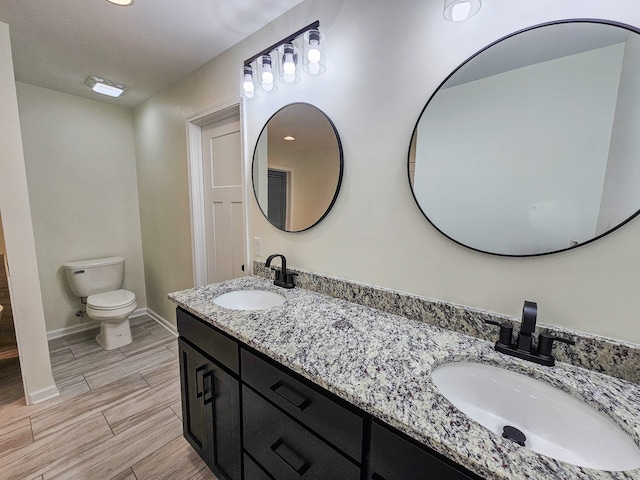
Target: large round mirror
297	167
532	146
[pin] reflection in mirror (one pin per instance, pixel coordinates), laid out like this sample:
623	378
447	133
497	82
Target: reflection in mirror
297	167
531	146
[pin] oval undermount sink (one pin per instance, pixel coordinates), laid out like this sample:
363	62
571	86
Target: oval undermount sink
249	300
554	423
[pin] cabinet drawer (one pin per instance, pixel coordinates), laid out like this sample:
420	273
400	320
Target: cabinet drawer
395	458
208	339
320	413
287	450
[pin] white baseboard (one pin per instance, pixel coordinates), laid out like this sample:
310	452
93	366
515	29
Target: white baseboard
63	332
89	324
163	321
43	394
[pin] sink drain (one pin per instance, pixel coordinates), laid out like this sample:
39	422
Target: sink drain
513	434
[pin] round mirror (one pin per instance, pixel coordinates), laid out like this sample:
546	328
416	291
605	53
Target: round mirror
297	167
531	146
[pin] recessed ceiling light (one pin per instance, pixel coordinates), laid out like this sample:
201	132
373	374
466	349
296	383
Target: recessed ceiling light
460	10
122	3
289	138
105	87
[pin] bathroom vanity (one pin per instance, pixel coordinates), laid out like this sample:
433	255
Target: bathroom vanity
322	388
275	421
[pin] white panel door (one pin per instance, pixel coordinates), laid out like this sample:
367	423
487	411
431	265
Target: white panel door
224	209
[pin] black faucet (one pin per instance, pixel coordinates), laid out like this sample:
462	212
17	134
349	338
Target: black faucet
283	278
523	348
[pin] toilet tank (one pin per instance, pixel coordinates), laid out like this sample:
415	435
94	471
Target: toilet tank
88	277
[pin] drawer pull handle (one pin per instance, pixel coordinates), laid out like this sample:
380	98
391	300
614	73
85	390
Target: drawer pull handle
290	396
290	457
200	380
209	385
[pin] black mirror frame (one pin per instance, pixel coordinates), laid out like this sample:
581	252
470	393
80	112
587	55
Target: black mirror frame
338	185
546	24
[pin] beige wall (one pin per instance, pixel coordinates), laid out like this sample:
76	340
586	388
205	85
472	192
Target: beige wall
376	233
25	292
161	154
315	175
81	172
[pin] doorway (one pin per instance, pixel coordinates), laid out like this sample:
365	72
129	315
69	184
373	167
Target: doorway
279	181
218	197
11	387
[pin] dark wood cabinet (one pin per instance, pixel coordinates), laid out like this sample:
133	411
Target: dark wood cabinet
395	457
210	408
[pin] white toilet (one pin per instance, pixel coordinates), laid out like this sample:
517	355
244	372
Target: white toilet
99	281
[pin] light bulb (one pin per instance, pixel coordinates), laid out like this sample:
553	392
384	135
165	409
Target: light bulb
289	66
267	80
460	11
288	63
267	74
248	87
267	77
314	55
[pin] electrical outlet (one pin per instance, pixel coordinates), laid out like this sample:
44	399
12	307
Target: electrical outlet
257	246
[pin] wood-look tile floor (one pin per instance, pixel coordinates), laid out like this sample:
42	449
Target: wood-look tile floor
118	415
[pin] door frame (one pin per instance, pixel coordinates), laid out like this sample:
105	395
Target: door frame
193	124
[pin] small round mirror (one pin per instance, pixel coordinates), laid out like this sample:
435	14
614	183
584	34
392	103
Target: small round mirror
297	167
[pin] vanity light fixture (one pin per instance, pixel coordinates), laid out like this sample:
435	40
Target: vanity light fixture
460	10
267	73
314	52
248	87
122	3
289	138
283	60
289	59
105	87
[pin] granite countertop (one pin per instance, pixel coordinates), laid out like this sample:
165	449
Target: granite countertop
382	363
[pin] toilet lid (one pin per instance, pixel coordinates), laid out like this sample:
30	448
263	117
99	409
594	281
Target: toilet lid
111	300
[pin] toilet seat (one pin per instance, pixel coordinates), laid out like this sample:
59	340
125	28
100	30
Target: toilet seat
113	300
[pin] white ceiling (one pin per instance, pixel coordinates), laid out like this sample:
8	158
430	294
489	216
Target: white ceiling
57	44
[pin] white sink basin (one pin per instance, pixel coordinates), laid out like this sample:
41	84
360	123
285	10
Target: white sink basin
249	300
554	423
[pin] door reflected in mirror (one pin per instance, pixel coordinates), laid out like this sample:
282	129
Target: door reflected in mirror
531	146
297	167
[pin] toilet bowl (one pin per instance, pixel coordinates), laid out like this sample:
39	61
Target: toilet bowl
98	282
112	309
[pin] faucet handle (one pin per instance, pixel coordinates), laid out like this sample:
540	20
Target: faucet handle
545	344
506	332
529	315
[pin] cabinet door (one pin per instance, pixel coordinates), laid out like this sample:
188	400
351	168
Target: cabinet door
210	411
194	418
395	458
222	402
